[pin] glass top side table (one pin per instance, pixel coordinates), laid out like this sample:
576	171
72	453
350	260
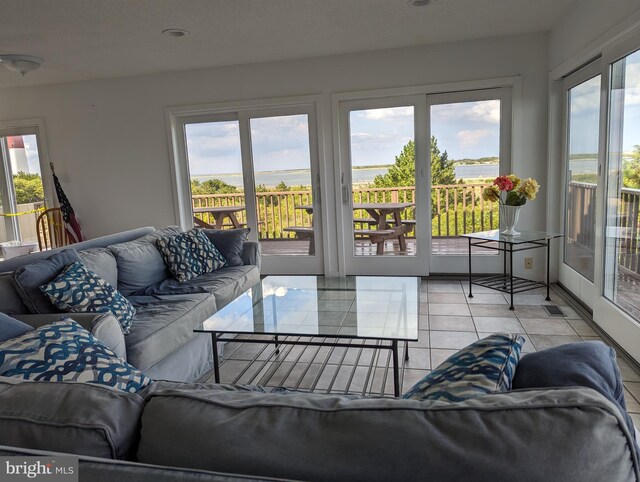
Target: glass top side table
508	244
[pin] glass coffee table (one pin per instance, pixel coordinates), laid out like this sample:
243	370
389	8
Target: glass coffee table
319	311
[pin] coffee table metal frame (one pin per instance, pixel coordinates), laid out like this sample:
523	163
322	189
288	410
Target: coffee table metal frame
217	336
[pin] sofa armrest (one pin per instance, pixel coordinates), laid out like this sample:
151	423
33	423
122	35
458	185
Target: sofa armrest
104	326
251	253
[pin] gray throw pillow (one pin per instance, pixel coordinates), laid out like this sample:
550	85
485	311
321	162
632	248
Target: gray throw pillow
30	277
10	301
140	263
589	364
230	243
12	328
102	262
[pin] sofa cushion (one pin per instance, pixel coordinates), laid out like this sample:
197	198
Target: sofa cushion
10	302
189	254
11	328
78	290
164	323
140	263
102	262
30	277
230	242
586	364
101	242
69	417
485	366
65	351
225	284
568	434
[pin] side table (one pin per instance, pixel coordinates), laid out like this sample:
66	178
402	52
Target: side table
508	244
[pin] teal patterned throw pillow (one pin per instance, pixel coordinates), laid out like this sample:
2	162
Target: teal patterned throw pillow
190	254
63	351
78	290
486	366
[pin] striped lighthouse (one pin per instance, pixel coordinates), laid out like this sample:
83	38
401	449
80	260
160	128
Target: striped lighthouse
17	154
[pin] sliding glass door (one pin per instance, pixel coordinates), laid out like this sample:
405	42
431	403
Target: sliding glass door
383	186
621	273
259	169
413	171
582	99
470	145
601	251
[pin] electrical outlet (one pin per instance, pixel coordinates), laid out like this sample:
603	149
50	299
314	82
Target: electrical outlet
528	263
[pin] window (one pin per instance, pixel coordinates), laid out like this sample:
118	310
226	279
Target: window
22	197
583	133
622	211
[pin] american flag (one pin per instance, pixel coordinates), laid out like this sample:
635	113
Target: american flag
71	224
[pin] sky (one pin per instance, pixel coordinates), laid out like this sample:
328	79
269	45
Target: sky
469	129
584	101
277	143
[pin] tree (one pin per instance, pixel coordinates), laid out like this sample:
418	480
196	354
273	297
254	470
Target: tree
281	186
631	170
403	172
212	186
28	188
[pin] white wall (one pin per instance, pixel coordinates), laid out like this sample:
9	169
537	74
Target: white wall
589	22
108	137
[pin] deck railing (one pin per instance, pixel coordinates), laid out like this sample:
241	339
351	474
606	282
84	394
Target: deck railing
581	227
456	208
629	221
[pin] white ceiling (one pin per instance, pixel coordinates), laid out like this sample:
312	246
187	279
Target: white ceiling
90	39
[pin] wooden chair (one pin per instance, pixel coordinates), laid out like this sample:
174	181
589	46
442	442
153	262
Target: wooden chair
51	230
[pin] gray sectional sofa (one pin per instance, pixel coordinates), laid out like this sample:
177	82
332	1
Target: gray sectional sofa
174	431
161	343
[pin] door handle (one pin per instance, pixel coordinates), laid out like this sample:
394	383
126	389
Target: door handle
345	190
316	191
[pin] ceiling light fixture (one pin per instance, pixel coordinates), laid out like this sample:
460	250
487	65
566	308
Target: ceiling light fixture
21	63
175	32
419	3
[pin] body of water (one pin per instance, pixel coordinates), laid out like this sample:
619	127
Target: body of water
359	176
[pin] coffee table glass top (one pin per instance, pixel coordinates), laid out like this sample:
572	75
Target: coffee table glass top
523	237
383	308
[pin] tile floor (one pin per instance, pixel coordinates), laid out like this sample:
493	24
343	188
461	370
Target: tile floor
448	321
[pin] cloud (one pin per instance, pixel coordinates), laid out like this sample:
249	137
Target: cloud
469	138
487	111
385	113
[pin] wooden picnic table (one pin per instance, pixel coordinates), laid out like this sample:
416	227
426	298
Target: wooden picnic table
383	231
219	213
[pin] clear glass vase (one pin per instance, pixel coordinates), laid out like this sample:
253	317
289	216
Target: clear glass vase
509	219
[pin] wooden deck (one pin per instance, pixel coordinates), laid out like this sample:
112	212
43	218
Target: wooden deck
441	246
628	296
